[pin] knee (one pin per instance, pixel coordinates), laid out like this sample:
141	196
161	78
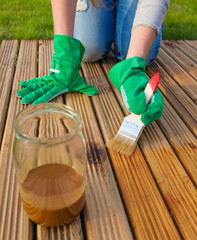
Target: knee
151	56
96	46
93	53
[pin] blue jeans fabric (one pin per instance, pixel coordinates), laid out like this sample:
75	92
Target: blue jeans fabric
98	28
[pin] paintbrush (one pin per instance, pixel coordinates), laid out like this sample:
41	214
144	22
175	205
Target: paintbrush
131	128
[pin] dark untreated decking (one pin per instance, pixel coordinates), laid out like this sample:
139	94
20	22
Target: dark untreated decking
151	195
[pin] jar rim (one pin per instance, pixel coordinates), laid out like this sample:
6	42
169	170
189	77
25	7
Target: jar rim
45	106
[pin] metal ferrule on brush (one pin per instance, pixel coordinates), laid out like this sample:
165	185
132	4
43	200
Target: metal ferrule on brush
131	129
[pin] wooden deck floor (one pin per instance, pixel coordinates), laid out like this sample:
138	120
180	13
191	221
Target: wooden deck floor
151	195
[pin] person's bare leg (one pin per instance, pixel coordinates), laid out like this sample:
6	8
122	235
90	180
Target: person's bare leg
142	38
63	16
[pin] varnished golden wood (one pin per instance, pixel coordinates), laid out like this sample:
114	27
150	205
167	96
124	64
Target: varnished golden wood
157	184
176	96
132	173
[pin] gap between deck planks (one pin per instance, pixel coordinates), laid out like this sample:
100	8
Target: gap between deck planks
153	186
99	198
170	175
73	230
104	213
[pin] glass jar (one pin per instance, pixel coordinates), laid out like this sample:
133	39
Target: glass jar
50	160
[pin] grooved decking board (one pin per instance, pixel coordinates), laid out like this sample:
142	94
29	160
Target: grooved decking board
184	61
181	139
69	232
14	223
192	43
147	211
157	184
8	51
72	231
187	83
173	181
183	142
188	49
104	213
98	206
180	101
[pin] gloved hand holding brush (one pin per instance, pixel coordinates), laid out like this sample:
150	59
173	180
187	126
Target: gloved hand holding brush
64	74
129	77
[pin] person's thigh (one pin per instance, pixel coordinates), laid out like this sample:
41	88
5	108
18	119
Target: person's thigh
94	28
124	17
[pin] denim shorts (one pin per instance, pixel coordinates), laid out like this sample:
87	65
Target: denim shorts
98	28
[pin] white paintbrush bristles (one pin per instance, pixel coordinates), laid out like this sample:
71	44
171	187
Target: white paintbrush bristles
131	128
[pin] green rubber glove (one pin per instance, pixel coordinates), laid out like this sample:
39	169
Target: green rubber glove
63	76
129	77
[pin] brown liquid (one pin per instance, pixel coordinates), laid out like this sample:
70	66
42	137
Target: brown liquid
53	194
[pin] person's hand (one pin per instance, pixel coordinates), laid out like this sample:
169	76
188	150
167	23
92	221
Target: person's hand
129	77
63	77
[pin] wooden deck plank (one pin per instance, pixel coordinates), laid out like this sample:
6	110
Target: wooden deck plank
184	145
8	54
150	219
173	181
192	43
180	137
187	49
108	228
158	183
67	232
187	83
73	231
14	223
104	214
174	128
181	102
184	61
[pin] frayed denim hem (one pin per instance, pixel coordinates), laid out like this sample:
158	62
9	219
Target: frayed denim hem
82	5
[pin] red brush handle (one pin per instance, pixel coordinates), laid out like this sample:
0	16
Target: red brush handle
154	81
151	87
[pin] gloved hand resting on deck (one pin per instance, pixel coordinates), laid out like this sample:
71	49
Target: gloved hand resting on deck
63	77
